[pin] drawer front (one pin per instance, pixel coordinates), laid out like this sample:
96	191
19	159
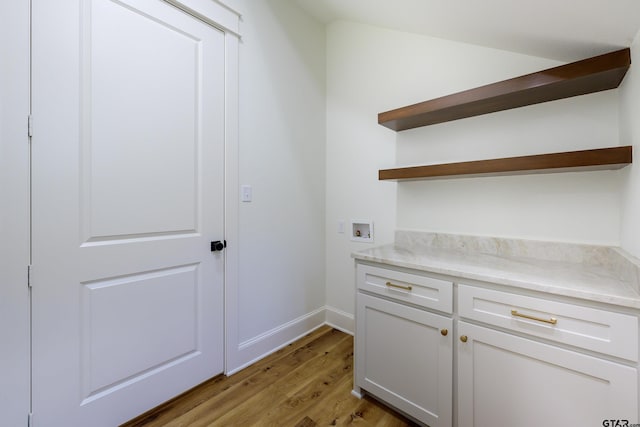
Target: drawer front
589	328
407	287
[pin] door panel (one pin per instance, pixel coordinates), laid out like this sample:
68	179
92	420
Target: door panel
142	87
128	164
155	325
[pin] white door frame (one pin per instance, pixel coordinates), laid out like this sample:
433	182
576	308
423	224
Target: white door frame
224	17
15	213
227	19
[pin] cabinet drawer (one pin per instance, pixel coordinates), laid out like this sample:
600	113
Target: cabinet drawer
407	287
589	328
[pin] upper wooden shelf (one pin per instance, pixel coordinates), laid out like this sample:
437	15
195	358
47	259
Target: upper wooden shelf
577	78
597	159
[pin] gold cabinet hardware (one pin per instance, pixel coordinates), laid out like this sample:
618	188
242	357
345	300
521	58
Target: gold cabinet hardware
551	320
393	285
463	338
444	332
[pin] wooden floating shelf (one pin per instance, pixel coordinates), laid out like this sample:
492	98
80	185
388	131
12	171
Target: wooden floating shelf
597	159
577	78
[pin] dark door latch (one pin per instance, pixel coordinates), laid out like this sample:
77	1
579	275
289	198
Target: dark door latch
218	245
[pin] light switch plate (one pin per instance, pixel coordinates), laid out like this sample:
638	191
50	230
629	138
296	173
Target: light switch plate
246	193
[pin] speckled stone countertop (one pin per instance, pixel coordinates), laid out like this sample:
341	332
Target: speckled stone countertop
597	273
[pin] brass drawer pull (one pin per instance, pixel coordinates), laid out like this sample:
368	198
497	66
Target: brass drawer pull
444	332
393	285
552	320
463	338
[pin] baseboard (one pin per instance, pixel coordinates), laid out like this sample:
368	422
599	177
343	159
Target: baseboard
256	348
340	320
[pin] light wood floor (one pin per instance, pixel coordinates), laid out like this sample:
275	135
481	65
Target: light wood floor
308	383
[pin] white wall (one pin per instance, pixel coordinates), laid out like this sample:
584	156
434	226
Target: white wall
573	207
371	70
281	138
360	62
630	135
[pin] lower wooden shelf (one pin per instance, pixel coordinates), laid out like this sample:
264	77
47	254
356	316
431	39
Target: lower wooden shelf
596	159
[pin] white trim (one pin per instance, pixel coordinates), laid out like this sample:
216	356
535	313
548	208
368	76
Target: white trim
221	16
230	8
214	13
293	323
15	229
231	198
340	320
256	348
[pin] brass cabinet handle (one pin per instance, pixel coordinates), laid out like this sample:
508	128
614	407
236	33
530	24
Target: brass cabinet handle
463	338
393	285
551	320
444	332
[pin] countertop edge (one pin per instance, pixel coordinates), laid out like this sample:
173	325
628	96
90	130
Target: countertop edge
466	273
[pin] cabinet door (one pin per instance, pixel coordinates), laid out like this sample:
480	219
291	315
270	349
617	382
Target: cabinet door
505	380
404	357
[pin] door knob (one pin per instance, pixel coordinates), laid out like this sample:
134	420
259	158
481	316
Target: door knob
218	245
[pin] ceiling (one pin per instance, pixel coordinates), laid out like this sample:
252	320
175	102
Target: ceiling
565	30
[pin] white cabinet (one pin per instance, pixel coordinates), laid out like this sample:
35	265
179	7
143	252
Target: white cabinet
589	328
404	354
507	380
520	359
412	288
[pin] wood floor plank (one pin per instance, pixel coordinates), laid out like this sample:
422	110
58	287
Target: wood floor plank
306	422
213	389
332	406
265	408
307	383
327	385
272	382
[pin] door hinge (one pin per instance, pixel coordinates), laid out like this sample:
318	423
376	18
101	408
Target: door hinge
29	276
29	126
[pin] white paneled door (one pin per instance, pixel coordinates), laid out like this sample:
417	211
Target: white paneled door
127	190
